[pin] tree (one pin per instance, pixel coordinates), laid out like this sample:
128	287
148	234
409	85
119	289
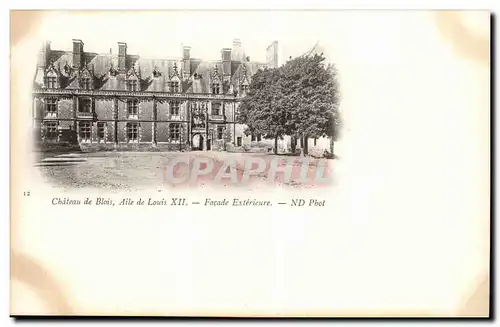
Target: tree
262	108
299	98
313	94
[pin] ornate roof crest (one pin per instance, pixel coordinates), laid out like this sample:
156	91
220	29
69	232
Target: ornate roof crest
156	72
215	77
244	78
133	71
85	71
51	69
175	72
112	70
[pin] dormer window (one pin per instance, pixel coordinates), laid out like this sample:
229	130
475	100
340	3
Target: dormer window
215	88
244	88
175	81
216	81
86	79
51	82
132	85
51	77
133	77
174	86
86	83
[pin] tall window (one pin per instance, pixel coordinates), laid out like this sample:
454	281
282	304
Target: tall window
216	108
51	130
238	141
220	132
51	81
215	88
174	86
101	131
174	108
133	132
175	132
85	105
132	85
132	108
85	83
51	106
85	131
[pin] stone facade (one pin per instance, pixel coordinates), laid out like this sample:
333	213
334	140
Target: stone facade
125	102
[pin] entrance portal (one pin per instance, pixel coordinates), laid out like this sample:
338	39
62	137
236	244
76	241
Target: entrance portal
197	142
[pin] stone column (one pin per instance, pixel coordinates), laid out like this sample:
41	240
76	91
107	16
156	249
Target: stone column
115	123
75	109
155	118
207	137
188	126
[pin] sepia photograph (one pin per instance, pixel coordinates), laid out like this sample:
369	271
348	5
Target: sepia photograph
98	115
250	163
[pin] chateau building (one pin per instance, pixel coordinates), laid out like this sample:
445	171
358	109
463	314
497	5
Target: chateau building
124	101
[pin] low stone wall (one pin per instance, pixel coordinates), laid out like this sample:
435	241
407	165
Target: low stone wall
96	147
136	147
56	147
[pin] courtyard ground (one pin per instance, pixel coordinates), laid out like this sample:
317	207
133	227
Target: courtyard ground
132	171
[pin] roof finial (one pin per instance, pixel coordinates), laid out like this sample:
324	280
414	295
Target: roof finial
156	72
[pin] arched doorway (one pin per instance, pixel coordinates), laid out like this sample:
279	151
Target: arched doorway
197	142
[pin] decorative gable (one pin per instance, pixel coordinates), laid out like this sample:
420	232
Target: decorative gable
244	77
133	74
113	72
86	78
156	72
51	77
244	81
175	73
216	81
215	77
175	80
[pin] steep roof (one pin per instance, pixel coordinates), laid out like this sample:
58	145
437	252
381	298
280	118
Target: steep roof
161	70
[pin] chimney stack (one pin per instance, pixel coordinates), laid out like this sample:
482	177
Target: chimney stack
77	53
122	56
186	62
44	54
226	61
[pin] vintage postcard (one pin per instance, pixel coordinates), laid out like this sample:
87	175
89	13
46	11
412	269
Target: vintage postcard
259	163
